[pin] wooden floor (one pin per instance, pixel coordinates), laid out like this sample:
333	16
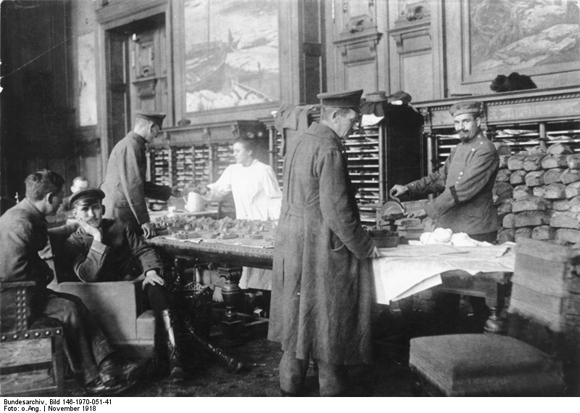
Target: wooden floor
388	377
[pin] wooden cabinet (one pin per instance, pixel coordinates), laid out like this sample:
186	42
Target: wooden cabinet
521	120
189	156
380	156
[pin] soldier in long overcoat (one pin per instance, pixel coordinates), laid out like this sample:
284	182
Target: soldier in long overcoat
125	186
322	288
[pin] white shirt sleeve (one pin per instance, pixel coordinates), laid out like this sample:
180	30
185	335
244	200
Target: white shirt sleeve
221	187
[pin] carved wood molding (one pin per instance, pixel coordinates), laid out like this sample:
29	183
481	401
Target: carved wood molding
145	88
402	35
527	106
359	46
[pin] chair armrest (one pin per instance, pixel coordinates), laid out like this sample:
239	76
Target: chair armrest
7	285
14	305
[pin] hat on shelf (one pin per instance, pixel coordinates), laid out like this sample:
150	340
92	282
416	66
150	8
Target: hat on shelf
349	99
400	95
461	108
378	96
86	196
151	116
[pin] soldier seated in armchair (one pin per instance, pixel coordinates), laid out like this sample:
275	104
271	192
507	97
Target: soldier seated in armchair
107	250
23	233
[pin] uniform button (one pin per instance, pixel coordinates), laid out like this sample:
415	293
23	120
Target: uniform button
460	173
472	149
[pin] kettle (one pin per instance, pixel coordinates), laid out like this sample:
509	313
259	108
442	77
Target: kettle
194	202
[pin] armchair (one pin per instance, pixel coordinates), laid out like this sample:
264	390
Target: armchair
117	306
31	354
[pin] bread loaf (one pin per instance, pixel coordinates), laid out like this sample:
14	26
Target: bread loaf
506	235
509	221
559	149
530	203
543	232
565	219
553	175
503	175
570	175
572	205
535	178
574	161
532	218
518	177
534	162
505	207
503	161
516	162
502	191
539	191
555	161
523	233
502	149
572	190
521	191
567	235
555	191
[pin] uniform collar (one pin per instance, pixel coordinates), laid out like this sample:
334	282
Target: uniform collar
28	205
138	137
476	140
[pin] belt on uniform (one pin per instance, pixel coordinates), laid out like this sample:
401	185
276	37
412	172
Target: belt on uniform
293	209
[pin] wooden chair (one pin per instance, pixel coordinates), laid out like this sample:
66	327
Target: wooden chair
31	354
526	362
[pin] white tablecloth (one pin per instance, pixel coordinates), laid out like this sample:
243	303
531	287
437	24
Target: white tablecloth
409	269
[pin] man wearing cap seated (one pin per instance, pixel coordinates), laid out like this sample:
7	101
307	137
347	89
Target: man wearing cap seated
465	182
107	250
322	286
124	186
23	233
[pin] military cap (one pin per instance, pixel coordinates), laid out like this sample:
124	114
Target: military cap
349	99
153	117
461	108
86	196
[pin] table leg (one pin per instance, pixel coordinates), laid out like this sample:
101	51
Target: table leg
495	324
232	326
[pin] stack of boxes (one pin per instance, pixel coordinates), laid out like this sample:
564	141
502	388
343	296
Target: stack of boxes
546	288
538	195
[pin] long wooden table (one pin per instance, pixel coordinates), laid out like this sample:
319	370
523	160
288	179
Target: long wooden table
492	286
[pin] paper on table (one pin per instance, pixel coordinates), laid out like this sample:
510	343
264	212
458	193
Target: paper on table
393	285
406	270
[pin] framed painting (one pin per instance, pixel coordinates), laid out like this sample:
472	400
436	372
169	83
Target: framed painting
231	54
525	36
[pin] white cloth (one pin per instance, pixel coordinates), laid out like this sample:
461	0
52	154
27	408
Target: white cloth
408	269
255	189
257	196
446	237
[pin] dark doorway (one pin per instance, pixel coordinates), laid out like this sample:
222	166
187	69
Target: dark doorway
136	73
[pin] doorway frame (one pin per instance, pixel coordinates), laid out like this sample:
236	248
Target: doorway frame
110	19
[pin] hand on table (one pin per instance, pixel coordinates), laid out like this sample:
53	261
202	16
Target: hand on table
148	230
151	277
375	253
201	189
